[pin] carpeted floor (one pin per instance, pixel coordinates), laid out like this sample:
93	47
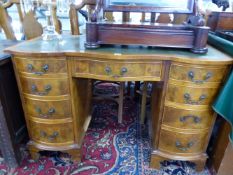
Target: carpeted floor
109	148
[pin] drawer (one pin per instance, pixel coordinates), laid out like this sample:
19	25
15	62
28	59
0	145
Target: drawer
48	109
41	66
61	133
179	142
45	86
188	118
190	95
197	74
111	70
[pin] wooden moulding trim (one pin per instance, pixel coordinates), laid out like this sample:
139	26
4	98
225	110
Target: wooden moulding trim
196	86
54	146
60	97
123	57
193	85
179	157
109	78
187	106
50	121
184	131
46	75
43	77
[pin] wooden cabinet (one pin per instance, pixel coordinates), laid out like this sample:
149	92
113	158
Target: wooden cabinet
13	131
56	92
187	115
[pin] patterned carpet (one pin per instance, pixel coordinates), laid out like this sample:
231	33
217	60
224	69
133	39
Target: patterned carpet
109	148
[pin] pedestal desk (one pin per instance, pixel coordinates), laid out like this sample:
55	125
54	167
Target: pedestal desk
53	79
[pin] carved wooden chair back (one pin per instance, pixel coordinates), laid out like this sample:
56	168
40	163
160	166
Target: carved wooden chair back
31	27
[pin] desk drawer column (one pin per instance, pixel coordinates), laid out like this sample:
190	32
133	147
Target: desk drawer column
45	93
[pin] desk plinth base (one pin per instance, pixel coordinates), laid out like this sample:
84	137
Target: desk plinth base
158	156
73	150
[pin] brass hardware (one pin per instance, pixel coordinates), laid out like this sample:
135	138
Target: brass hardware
49	137
43	134
188	100
196	119
184	148
191	76
47	89
50	112
44	69
53	136
124	70
108	70
29	67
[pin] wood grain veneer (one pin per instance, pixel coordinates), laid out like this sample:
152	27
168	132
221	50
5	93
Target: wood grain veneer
167	69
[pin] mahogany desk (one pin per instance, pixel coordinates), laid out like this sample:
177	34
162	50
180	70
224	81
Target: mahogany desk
53	79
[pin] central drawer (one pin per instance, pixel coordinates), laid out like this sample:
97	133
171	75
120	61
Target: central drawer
51	134
116	70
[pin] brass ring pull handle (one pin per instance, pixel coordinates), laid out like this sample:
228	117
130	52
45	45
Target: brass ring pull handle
191	76
184	148
108	70
196	119
50	137
44	69
50	112
47	89
124	70
53	136
188	100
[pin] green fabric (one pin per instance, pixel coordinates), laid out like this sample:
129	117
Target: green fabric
220	43
223	105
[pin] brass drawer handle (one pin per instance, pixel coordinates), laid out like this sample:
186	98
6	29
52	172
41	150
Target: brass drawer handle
44	69
191	76
47	89
196	119
124	70
50	112
188	100
108	70
184	148
49	137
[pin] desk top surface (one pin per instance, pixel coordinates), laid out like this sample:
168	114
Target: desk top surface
4	44
74	46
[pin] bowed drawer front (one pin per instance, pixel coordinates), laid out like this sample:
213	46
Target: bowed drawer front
48	109
53	133
41	66
187	118
45	86
182	142
197	74
118	70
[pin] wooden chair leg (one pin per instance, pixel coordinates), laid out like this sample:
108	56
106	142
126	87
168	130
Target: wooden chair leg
143	104
120	102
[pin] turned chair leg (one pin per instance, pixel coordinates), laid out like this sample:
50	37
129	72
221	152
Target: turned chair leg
143	103
120	102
